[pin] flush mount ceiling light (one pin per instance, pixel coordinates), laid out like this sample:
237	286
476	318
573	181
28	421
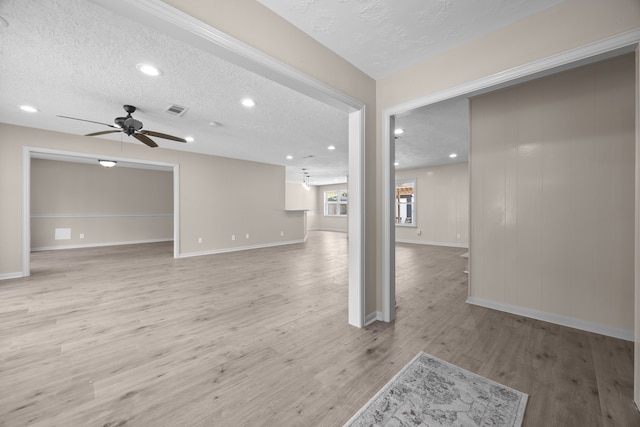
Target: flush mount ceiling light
248	102
107	163
29	109
396	164
148	69
453	155
331	147
189	138
398	131
289	157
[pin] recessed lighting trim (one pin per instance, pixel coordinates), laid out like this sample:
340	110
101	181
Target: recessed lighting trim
396	164
398	131
331	147
453	155
248	102
29	109
189	138
148	69
289	157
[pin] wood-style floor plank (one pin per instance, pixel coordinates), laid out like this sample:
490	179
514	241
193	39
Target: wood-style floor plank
130	336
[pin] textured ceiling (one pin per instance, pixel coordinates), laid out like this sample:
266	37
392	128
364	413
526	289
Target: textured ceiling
381	37
432	133
85	66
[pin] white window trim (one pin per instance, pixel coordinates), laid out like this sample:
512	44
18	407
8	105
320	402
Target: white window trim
325	203
414	217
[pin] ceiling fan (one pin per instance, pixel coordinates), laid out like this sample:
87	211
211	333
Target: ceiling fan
131	127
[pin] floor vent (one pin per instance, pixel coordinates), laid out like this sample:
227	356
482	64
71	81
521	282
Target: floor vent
175	110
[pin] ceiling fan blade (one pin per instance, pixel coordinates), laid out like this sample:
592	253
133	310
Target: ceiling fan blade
144	139
90	121
103	132
163	135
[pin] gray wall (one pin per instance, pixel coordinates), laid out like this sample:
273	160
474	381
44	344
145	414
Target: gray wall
101	206
442	206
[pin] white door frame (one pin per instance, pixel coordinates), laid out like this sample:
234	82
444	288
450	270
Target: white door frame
593	52
188	29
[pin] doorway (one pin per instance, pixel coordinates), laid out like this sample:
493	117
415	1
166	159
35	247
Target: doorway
64	236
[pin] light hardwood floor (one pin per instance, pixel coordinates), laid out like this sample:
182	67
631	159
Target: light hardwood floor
130	336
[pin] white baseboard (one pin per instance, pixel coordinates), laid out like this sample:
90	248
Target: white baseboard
372	317
239	248
327	229
98	245
15	275
423	242
571	322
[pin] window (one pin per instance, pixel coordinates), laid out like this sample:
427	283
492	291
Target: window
335	203
406	202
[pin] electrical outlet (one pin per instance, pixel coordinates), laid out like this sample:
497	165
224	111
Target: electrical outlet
458	235
82	235
233	237
199	239
246	236
281	233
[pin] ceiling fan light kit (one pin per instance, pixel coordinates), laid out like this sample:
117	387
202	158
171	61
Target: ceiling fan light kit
131	127
107	163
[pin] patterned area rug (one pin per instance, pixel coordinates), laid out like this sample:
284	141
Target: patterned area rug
431	392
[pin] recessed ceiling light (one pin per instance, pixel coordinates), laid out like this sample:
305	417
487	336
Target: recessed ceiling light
29	109
148	69
289	157
331	147
215	124
453	155
398	131
189	138
248	102
396	164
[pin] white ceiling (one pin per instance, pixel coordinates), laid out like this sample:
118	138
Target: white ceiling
381	37
85	66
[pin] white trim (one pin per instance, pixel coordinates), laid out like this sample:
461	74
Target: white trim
240	248
176	210
423	242
26	211
328	229
592	52
583	55
356	219
571	322
26	195
388	268
98	245
101	215
14	275
372	317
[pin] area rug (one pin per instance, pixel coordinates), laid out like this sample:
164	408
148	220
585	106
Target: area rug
431	392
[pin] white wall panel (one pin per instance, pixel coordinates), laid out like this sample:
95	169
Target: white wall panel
552	194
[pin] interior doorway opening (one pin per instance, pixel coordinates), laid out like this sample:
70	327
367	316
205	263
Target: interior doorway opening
54	228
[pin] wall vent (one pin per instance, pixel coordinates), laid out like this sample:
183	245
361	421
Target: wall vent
176	110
